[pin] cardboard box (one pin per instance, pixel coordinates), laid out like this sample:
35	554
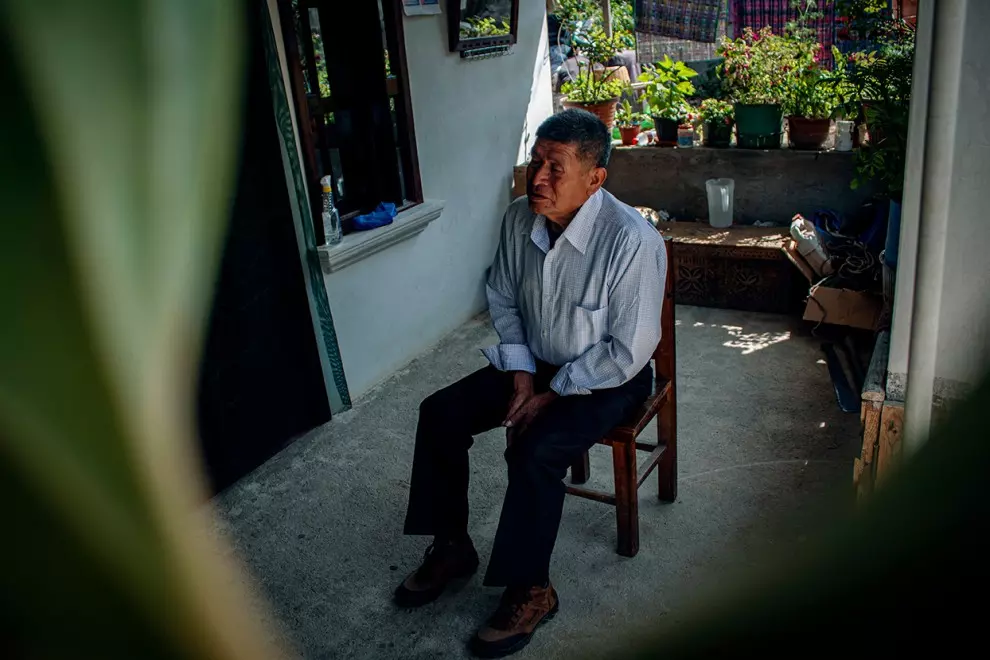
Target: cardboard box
856	309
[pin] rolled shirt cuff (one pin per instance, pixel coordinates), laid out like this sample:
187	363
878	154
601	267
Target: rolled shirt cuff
564	386
511	357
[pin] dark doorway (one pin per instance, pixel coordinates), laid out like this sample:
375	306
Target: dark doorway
260	382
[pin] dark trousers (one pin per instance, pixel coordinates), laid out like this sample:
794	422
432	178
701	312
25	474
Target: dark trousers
537	463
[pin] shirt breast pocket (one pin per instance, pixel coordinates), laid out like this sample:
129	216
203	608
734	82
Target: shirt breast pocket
589	327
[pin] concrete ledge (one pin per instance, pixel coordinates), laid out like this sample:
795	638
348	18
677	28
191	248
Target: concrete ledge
362	244
771	185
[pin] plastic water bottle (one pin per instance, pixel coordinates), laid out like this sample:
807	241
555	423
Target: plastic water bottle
331	218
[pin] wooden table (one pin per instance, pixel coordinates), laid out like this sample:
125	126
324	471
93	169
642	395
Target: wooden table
735	268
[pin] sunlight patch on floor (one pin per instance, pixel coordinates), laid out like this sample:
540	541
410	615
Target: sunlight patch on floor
750	342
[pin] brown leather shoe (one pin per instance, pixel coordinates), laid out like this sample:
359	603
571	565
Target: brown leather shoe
444	561
514	622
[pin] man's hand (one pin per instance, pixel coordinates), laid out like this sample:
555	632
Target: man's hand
522	381
519	420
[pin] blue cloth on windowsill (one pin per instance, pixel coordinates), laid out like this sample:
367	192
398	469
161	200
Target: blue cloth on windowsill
383	215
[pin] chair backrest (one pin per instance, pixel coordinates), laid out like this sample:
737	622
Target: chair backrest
663	357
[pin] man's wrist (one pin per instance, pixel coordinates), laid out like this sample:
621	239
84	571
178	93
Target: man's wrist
522	380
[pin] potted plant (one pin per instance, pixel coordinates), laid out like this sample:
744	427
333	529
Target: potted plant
668	86
596	95
810	108
882	79
754	72
597	88
629	123
718	117
815	95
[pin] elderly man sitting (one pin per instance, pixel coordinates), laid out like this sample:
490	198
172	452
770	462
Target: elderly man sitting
575	294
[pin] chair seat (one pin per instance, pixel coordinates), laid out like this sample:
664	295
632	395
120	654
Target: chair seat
630	429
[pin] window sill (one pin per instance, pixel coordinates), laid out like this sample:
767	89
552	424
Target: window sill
360	245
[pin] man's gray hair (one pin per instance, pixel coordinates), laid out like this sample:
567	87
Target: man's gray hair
580	127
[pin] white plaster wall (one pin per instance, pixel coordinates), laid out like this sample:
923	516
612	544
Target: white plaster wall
900	335
474	121
940	338
964	337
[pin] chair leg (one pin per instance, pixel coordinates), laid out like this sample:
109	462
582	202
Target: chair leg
581	469
667	467
626	500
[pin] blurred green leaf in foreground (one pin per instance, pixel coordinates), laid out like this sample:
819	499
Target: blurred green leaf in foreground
118	133
116	146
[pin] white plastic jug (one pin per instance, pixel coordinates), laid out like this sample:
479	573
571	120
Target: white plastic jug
720	202
844	135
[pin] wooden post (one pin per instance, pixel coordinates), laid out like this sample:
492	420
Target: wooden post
870	414
889	451
874	394
607	15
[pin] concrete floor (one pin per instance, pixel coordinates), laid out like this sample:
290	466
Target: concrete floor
762	448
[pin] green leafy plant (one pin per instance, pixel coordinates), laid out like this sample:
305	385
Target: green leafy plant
668	86
593	87
108	272
595	83
578	16
757	67
845	97
881	80
810	95
484	27
806	11
716	111
626	116
599	47
857	19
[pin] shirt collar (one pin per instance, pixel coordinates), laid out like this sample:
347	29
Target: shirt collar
578	232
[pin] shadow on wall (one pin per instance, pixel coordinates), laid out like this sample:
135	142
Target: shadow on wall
472	119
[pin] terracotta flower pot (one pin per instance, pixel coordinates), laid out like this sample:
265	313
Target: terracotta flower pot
604	110
808	133
629	134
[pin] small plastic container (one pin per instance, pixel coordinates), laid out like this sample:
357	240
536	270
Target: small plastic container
685	136
844	135
331	217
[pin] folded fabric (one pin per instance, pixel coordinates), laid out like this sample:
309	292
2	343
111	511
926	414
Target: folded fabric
381	216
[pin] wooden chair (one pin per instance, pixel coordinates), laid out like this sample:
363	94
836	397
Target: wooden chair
662	405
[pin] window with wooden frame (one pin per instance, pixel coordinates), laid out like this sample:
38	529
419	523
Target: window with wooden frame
351	92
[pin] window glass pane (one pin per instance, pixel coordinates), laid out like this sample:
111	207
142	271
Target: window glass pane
314	67
392	89
351	136
303	58
320	57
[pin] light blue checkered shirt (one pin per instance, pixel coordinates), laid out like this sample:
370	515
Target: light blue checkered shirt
591	304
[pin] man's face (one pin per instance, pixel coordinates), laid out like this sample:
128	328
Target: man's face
559	180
